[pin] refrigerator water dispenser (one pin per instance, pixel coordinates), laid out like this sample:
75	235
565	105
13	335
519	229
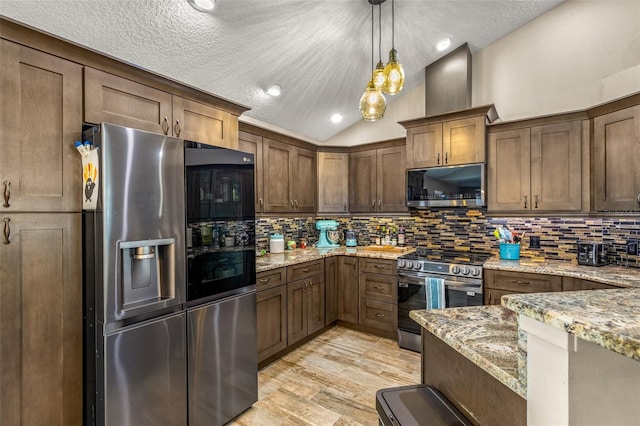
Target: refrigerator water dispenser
147	273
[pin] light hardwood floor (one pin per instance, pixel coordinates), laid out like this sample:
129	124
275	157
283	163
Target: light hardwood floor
331	380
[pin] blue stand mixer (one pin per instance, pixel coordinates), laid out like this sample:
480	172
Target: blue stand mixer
328	234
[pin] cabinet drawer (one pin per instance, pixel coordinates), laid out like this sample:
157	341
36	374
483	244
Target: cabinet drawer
270	279
380	315
520	282
577	284
305	270
382	288
379	266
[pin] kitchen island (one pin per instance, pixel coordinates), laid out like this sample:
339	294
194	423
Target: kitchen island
573	356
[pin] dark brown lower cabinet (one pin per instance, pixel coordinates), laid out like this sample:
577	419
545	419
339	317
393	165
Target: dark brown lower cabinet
331	290
271	306
498	283
348	295
305	307
479	396
576	284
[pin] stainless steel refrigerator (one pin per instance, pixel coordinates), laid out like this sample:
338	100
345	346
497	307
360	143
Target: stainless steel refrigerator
135	321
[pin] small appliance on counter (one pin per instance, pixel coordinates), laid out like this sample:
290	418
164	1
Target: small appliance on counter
350	238
328	237
592	253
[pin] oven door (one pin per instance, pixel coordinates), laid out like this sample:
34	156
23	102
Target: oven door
459	291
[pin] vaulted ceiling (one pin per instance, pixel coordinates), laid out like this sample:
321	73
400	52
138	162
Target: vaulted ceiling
319	52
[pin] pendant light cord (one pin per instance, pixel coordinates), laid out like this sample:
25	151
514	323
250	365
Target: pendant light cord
372	66
380	32
393	24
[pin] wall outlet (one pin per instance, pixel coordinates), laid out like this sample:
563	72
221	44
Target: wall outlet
632	247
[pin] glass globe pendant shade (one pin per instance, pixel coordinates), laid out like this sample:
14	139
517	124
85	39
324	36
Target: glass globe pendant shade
378	76
393	75
373	103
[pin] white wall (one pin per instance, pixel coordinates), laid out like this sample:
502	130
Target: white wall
577	55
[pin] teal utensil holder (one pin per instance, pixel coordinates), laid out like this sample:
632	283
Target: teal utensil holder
509	251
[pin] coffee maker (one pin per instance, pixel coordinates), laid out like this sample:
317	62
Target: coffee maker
328	237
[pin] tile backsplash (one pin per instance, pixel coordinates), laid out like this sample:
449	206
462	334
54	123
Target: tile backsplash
453	229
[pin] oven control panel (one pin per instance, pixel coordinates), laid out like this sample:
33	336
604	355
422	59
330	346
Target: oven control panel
442	268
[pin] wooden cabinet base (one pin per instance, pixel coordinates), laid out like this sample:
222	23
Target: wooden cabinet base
480	397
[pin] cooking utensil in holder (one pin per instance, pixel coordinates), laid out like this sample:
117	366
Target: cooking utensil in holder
509	251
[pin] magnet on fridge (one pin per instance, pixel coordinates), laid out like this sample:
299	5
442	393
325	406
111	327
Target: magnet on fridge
90	180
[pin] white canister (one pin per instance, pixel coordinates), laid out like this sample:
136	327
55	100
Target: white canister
276	243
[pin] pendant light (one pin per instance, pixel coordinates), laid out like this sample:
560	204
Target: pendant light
393	72
372	103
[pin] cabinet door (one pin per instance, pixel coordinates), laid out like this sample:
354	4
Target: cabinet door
616	156
195	121
41	320
509	170
494	297
463	141
303	180
363	195
348	296
248	142
391	177
40	119
276	170
424	146
271	308
315	304
116	100
296	311
556	167
578	284
333	182
331	289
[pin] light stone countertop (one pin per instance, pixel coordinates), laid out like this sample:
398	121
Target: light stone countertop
610	274
292	257
609	318
486	335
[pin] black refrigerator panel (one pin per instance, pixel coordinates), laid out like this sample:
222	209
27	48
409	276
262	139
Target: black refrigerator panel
223	359
145	374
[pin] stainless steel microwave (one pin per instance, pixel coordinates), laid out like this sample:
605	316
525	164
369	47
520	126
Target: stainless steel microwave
448	186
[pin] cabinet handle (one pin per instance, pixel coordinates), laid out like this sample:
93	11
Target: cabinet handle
525	201
290	205
379	204
295	205
7	230
535	199
261	203
373	204
355	261
305	270
378	287
165	126
638	199
438	160
446	158
520	282
379	266
7	193
379	315
177	129
344	207
264	280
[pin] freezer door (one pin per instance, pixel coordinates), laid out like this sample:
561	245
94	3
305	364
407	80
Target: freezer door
145	374
223	360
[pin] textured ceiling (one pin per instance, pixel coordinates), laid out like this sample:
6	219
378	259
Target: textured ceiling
319	52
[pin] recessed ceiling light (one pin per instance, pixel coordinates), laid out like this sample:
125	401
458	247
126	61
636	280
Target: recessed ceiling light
274	90
202	5
443	44
336	118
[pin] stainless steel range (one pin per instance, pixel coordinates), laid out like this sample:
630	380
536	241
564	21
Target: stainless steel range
461	273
